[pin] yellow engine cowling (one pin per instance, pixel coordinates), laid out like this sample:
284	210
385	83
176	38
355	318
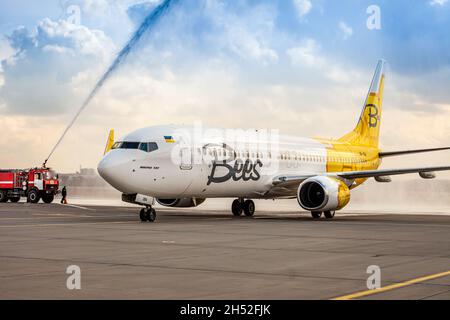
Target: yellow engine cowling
323	193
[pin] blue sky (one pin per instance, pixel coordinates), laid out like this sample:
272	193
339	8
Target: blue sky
413	35
279	63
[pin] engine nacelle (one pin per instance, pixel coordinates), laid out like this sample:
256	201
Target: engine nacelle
323	194
181	203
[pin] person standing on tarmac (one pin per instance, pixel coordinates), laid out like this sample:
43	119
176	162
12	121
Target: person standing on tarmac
64	195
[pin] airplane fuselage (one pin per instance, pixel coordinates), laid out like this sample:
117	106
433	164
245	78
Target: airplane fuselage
212	168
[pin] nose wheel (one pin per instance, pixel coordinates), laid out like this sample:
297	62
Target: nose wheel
240	206
147	214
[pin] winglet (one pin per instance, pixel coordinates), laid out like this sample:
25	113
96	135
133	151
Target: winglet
110	141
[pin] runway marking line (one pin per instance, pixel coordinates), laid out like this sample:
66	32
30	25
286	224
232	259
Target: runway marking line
394	286
75	206
61	224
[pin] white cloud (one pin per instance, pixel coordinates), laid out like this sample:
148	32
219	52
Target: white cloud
303	7
5	50
346	30
438	2
247	45
245	34
46	61
308	54
76	39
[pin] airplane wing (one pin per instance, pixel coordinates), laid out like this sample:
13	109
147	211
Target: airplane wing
352	175
387	172
405	152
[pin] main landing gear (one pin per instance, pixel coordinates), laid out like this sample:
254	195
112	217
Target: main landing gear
240	206
147	214
327	214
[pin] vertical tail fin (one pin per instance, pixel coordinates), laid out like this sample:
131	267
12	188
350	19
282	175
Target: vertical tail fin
367	131
109	142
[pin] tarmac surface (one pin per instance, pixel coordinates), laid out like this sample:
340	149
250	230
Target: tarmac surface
208	254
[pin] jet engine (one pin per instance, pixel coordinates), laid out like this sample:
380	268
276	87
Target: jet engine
181	203
323	194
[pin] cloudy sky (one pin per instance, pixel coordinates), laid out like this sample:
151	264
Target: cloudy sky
300	66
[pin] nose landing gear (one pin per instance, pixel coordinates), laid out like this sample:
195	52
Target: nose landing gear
240	206
147	214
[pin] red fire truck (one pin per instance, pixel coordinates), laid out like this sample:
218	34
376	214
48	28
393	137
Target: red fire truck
35	184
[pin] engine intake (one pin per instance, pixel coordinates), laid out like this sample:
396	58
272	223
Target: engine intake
323	194
181	203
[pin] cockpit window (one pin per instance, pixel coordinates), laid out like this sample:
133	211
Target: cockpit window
143	146
129	145
126	145
148	146
116	145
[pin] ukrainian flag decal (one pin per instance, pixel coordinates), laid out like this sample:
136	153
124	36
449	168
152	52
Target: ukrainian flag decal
169	139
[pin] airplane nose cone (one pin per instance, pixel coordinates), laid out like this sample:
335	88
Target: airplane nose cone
102	169
115	169
106	169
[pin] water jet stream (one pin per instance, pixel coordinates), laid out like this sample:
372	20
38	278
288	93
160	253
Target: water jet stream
146	25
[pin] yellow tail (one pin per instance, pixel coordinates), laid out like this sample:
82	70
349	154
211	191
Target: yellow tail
367	131
109	142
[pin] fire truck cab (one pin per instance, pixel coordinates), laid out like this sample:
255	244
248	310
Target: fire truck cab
34	184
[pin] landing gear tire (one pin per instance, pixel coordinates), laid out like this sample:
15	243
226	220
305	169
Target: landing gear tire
147	214
48	198
151	215
33	196
3	196
142	215
236	208
316	214
249	208
14	199
329	214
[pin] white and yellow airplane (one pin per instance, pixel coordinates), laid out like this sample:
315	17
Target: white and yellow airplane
166	164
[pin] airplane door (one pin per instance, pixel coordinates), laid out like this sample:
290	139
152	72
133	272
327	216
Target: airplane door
186	159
